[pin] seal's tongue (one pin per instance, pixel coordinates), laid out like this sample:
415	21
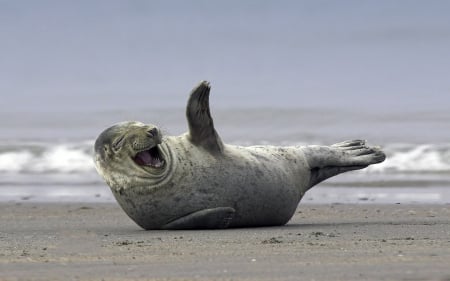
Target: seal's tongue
143	158
149	158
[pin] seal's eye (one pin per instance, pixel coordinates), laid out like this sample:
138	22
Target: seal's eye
117	144
105	152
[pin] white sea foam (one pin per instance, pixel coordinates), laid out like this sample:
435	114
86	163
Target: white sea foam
64	159
59	158
15	161
65	171
420	159
76	158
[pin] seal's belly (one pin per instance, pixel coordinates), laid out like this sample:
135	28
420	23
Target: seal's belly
264	185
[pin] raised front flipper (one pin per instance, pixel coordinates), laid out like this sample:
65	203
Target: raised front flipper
201	126
216	218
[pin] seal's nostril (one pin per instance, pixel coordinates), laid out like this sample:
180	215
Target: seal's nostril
153	132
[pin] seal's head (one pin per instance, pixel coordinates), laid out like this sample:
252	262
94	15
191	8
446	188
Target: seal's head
130	152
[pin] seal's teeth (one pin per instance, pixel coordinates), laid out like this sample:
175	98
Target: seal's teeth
159	164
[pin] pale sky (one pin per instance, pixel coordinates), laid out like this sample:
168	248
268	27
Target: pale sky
96	55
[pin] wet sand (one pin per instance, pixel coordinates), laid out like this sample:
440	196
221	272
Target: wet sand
321	242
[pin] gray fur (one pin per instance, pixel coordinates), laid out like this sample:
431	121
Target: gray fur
207	184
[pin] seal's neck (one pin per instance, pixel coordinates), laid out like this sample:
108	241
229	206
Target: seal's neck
146	178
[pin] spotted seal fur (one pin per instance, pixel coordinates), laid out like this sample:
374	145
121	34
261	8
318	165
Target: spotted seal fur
195	181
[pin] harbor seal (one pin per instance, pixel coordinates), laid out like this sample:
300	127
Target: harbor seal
195	181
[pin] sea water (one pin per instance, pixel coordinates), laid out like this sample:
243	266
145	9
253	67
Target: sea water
47	156
283	73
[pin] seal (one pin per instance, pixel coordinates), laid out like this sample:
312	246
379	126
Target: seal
195	181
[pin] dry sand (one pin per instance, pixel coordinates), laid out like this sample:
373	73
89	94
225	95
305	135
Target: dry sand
321	242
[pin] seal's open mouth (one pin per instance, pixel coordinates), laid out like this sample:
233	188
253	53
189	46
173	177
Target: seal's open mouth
151	157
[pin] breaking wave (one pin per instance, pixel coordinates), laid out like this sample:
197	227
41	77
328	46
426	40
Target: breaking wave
406	158
72	162
34	158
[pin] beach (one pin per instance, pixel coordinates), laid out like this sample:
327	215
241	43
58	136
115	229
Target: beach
97	241
391	221
290	73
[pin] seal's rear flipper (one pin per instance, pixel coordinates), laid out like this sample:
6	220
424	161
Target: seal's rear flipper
201	126
204	219
328	161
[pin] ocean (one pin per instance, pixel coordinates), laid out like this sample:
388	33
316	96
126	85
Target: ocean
47	156
296	72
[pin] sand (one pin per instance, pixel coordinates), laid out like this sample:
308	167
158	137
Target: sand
321	242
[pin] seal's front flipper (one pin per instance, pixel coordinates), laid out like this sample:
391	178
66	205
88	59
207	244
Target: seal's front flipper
204	219
201	126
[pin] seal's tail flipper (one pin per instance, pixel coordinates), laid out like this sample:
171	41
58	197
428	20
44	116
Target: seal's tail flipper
216	218
328	161
201	126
